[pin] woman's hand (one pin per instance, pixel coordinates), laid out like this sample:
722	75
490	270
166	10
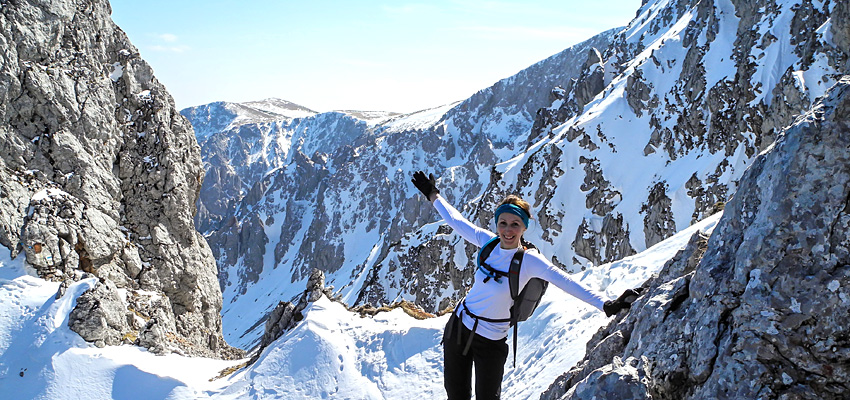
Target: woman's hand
426	185
612	307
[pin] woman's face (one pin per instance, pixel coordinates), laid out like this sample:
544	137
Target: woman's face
510	230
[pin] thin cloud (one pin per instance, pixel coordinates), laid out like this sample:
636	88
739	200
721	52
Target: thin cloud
168	37
168	43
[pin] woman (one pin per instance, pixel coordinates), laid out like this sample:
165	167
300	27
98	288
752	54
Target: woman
477	330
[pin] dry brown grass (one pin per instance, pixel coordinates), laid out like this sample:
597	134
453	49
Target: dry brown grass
130	336
142	316
229	370
409	308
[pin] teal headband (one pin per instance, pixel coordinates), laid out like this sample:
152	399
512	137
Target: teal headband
512	209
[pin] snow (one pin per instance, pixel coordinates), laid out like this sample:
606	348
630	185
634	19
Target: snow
332	353
388	356
372	118
718	57
41	358
48	193
117	72
144	95
419	120
281	108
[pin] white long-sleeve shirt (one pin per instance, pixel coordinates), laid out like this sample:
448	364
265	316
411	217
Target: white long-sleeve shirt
492	299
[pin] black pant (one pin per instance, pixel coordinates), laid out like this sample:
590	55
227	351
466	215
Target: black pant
487	355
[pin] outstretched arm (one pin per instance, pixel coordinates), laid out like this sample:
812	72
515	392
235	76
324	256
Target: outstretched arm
461	225
540	267
453	217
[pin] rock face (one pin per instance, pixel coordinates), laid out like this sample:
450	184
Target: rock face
762	314
99	176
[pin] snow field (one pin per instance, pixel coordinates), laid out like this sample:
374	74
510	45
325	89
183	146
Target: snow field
332	353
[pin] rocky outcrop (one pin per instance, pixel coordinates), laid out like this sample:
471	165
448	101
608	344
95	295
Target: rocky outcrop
603	360
608	243
569	99
769	296
99	176
101	317
658	222
287	314
420	264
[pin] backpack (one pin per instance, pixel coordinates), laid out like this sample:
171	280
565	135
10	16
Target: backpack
525	300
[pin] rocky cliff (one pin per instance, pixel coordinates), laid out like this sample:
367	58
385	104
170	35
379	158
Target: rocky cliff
99	176
762	314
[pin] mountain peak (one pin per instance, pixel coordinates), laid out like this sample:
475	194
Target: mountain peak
219	116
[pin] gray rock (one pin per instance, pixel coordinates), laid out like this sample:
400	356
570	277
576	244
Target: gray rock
100	176
620	380
610	243
658	222
100	315
609	343
841	30
761	313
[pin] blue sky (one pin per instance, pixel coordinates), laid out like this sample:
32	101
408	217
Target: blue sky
353	55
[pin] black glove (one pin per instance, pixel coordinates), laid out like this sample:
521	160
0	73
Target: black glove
612	307
428	186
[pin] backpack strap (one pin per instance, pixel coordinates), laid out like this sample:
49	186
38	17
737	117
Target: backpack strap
491	272
475	327
513	282
513	273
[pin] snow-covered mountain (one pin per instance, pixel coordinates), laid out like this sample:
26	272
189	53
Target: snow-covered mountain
221	116
644	133
244	142
648	131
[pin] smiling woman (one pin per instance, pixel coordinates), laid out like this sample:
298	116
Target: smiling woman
335	55
476	334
